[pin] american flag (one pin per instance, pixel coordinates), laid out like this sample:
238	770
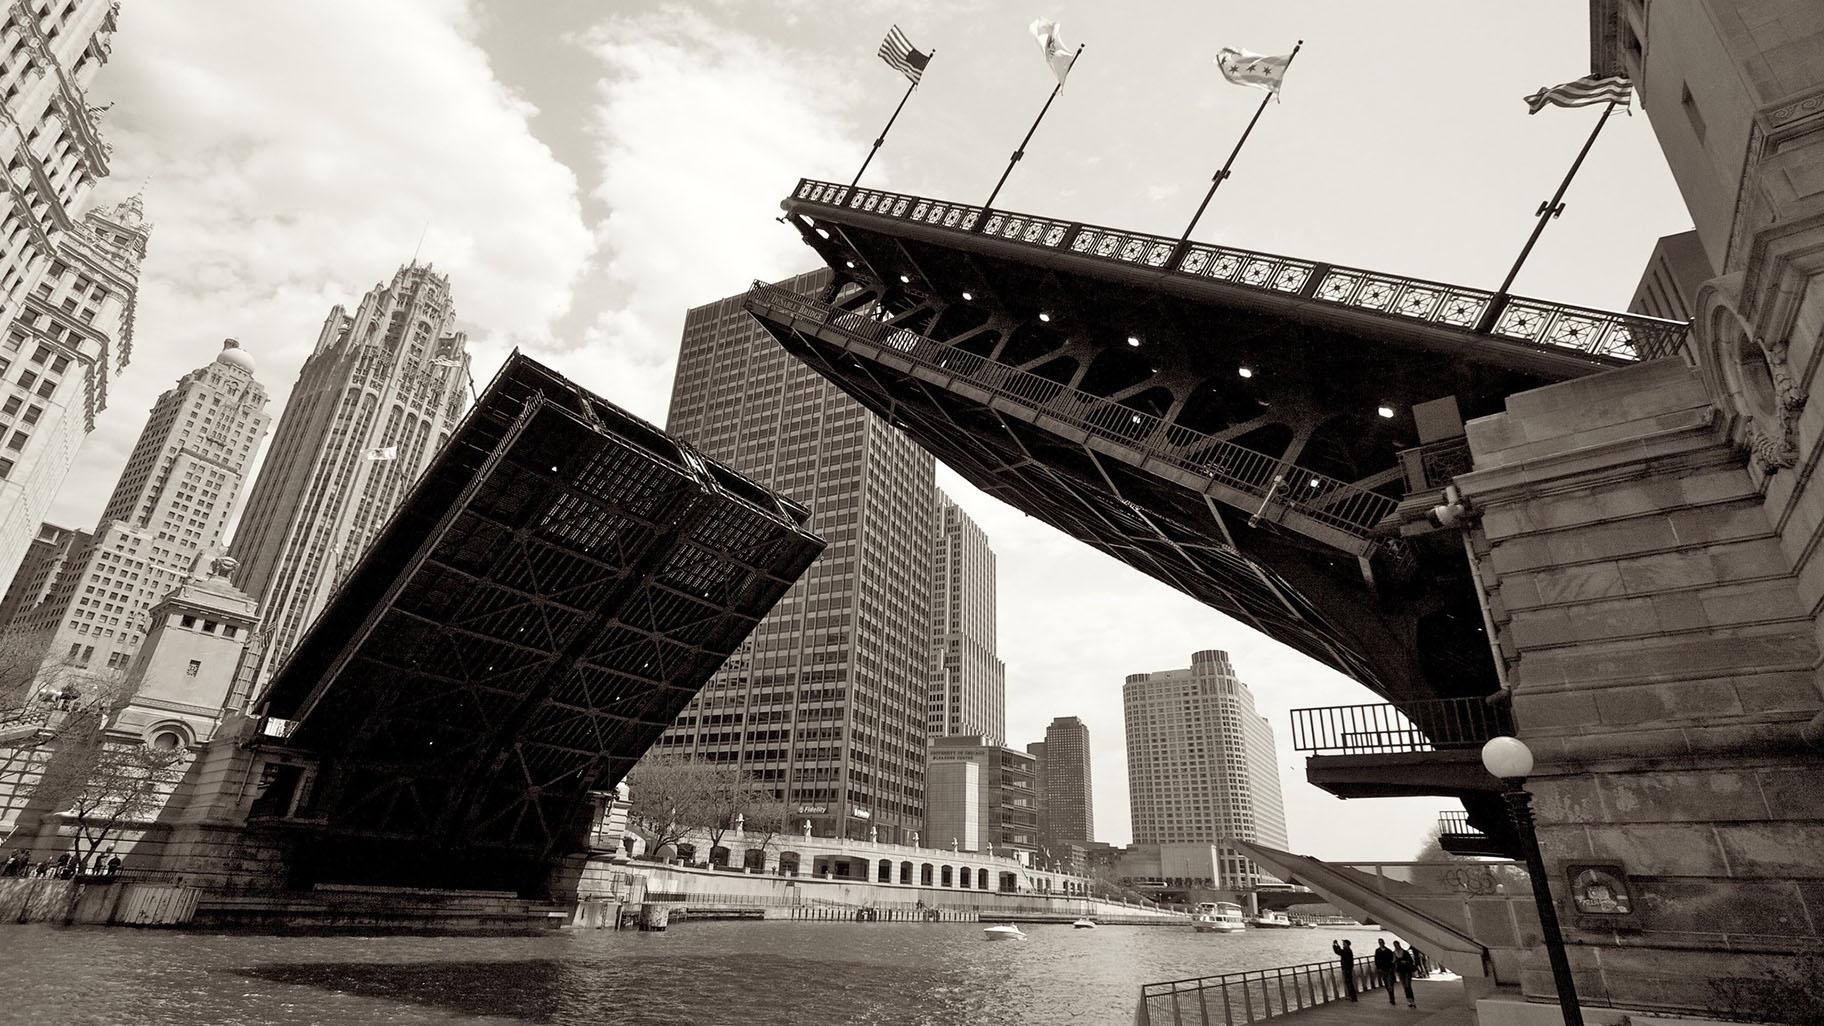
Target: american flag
1581	93
899	53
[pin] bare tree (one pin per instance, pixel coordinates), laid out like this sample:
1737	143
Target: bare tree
726	791
100	785
768	816
667	799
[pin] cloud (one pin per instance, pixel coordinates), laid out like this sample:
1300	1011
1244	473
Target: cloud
700	132
293	154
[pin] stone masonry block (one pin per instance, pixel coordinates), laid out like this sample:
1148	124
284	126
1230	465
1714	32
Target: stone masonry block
1578	583
1519	591
1795	793
1792	691
1720	523
1661	850
1520	554
1776	849
1551	709
1752	602
1561	801
1666	701
1607	541
1690	796
1666	570
1623	618
1541	627
1710	905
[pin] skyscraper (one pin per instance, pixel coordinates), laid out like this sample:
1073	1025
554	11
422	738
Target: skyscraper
968	693
377	398
72	332
169	507
66	284
826	701
1069	814
1201	763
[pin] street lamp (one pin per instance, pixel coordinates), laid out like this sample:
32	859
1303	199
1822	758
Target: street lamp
1510	759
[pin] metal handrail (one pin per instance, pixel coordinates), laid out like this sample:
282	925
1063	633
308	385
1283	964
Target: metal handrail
1605	335
1281	483
1251	996
1383	728
1457	822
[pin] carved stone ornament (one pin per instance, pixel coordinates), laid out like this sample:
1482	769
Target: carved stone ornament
1774	445
223	567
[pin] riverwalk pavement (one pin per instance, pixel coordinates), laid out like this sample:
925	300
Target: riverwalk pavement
1440	1004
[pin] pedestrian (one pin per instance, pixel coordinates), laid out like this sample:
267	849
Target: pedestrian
1422	961
1346	955
1383	968
1404	965
113	863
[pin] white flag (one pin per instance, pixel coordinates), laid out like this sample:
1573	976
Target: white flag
1252	69
1046	32
382	453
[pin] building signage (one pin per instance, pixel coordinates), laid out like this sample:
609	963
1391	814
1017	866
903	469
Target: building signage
1601	896
860	813
813	810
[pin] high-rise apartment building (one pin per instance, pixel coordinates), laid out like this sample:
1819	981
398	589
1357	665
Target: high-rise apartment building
377	398
826	700
1068	800
980	794
1036	749
66	283
968	693
44	563
1201	763
170	506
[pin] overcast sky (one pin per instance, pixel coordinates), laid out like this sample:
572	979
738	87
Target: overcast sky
587	170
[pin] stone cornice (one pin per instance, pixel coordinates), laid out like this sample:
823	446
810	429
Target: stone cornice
1691	432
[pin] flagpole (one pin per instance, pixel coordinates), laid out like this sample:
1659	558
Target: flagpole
1548	210
1239	143
883	132
1021	151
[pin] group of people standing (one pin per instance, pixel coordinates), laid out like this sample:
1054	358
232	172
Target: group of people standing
1398	963
64	866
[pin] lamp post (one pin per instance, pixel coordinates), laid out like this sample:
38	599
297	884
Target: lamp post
1510	759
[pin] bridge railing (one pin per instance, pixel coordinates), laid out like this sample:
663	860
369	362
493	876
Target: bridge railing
1384	728
1248	997
1605	335
1329	500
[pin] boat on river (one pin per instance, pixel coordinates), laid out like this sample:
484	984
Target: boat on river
1085	923
1218	917
1271	921
998	933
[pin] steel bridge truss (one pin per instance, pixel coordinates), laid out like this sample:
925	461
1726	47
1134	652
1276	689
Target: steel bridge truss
556	588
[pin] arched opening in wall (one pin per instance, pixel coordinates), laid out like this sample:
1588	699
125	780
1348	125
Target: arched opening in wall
718	856
1759	393
788	863
754	860
687	853
924	874
1217	404
1354	446
1010	882
1268	439
885	872
956	319
982	344
981	879
1058	369
905	872
1030	341
1115	369
168	737
947	876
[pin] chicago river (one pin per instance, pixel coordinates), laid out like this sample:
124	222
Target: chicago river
695	973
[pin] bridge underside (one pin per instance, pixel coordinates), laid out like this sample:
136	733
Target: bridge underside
1212	417
558	585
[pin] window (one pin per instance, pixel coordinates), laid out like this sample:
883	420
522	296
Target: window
228	630
188	621
195	666
1695	116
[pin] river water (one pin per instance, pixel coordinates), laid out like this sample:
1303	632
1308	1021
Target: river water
700	974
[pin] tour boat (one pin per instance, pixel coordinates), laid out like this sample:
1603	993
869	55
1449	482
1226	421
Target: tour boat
996	933
1271	921
1218	917
1085	923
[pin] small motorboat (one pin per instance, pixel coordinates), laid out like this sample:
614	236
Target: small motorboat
1218	917
998	933
1084	923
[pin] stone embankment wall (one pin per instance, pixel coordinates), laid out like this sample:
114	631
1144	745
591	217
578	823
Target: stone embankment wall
121	902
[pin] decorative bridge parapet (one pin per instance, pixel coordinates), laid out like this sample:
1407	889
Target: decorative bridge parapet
1611	338
1280	485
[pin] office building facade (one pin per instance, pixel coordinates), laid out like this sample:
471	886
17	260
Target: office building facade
1201	764
170	507
825	702
1065	792
980	793
968	693
67	283
376	399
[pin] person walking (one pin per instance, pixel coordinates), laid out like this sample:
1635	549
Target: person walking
1404	965
1383	968
1346	955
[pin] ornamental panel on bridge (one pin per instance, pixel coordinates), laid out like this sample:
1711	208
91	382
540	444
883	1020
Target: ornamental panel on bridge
1239	425
560	583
